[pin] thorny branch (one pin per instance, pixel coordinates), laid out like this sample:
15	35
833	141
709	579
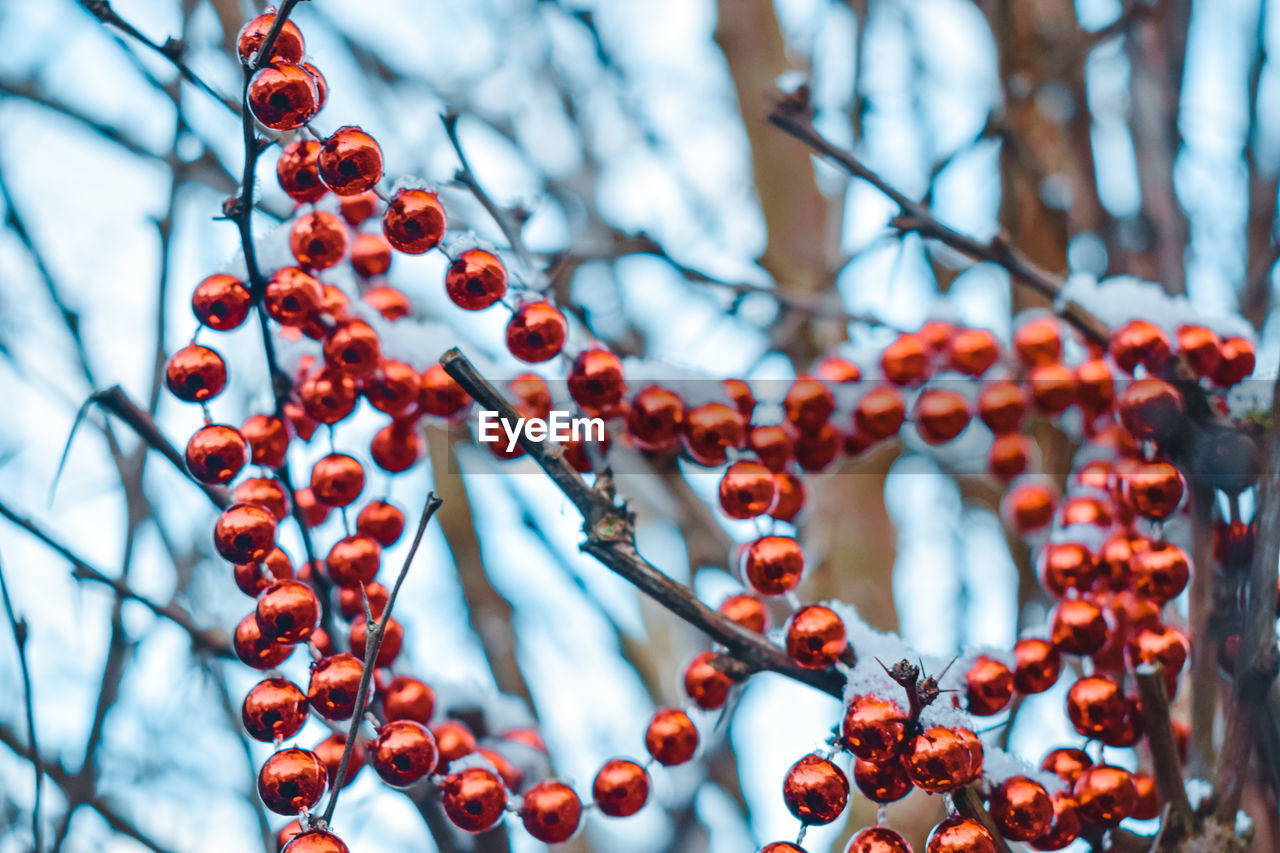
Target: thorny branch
611	540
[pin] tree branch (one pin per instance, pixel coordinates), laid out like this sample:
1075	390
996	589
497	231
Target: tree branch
611	540
19	628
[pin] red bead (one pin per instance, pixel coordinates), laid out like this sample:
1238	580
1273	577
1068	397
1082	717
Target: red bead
1236	363
1079	627
335	681
816	637
392	304
353	349
879	413
288	46
960	835
808	404
351	600
781	847
1105	795
878	839
1010	455
1038	342
1153	489
283	97
297	172
706	685
312	511
195	374
268	440
1021	809
221	302
454	740
414	221
1095	706
403	752
1095	387
328	397
551	811
940	415
330	750
264	492
873	728
1160	572
906	360
791	497
595	380
255	650
216	453
815	790
772	445
473	799
671	737
353	560
536	332
747	611
1028	507
396	446
747	490
381	520
882	781
293	297
739	393
274	708
350	161
252	580
476	280
288	611
710	430
1166	646
318	240
359	208
654	418
289	830
988	686
371	256
391	641
1148	807
1065	825
1053	388
440	395
1001	406
1152	409
292	780
1139	342
1066	565
1067	763
244	533
973	351
393	388
337	479
621	788
408	699
938	760
816	450
316	841
1038	664
773	564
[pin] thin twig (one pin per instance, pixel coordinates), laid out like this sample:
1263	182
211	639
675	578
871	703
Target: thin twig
507	220
611	540
19	627
374	634
792	116
968	802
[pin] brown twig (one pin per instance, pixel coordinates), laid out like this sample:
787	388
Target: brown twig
791	115
1164	749
372	643
115	401
968	802
611	540
19	628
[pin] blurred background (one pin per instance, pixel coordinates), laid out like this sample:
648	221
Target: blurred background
1103	138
